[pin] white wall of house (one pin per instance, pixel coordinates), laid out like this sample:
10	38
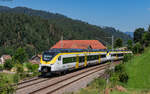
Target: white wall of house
2	60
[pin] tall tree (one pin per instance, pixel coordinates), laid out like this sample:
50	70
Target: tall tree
130	44
149	28
146	39
20	56
138	33
118	42
137	48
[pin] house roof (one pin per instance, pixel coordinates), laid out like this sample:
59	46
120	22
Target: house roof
79	44
36	56
6	57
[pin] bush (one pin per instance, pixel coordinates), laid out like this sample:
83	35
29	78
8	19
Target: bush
8	64
123	77
32	67
20	71
1	67
5	85
29	66
138	48
19	68
130	45
119	75
98	83
127	57
119	68
16	78
35	67
20	56
114	78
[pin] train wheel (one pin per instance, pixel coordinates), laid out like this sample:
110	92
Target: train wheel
48	74
64	72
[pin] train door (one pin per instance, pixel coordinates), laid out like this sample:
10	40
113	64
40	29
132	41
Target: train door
85	62
81	61
99	59
77	62
59	63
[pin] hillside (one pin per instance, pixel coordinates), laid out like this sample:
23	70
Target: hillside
138	69
130	34
37	30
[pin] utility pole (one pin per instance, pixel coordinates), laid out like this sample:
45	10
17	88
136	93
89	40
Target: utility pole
112	42
111	63
62	41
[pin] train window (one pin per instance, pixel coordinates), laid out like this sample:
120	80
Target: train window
73	59
103	56
69	60
48	56
92	57
96	57
59	58
81	59
113	54
88	58
120	54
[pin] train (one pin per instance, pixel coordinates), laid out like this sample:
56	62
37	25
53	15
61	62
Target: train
62	60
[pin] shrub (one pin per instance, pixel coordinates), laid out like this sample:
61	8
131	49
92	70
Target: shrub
98	83
8	64
1	67
119	68
19	68
35	67
114	78
123	77
32	67
130	45
20	55
127	57
16	78
138	48
20	71
5	85
119	75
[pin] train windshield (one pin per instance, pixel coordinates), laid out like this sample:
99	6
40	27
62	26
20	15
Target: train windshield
48	56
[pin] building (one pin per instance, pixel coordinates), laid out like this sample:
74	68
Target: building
35	59
79	44
3	58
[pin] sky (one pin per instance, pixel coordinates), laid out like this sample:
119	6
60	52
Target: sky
125	15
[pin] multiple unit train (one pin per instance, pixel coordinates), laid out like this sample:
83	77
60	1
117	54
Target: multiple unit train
60	60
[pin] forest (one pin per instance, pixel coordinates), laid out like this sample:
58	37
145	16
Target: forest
37	31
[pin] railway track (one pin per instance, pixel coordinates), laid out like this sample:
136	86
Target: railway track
50	85
59	85
30	82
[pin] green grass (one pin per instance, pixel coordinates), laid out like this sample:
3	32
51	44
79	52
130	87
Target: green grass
138	70
1	67
95	87
9	77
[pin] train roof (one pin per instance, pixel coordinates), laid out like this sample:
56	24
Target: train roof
56	50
